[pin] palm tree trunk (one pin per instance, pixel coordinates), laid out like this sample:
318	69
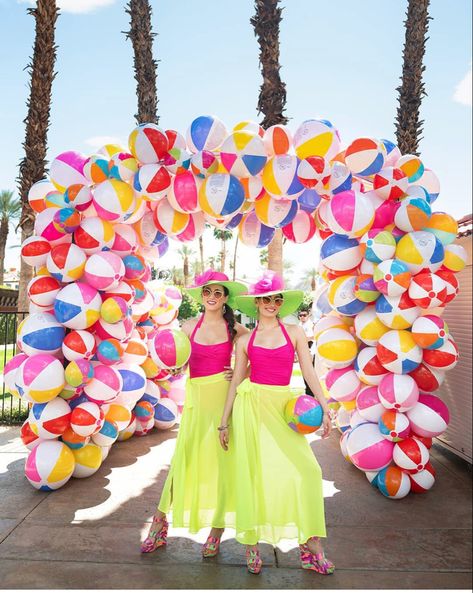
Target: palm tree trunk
33	164
223	254
141	36
3	242
185	270
408	123
272	96
201	251
235	258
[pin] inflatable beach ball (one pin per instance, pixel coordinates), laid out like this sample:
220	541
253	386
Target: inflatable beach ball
77	306
340	180
88	460
378	245
37	193
369	405
42	290
456	258
393	483
40	333
67	169
398	352
134	383
206	132
444	357
398	392
413	214
114	200
94	234
301	229
277	139
328	322
303	414
280	177
129	430
316	137
342	420
78	196
148	143
144	411
249	126
221	195
343	384
428	378
165	414
430	331
97	168
105	385
28	437
365	289
183	194
341	296
309	200
9	372
390	183
391	277
35	250
368	327
107	435
429	417
276	213
66	220
411	455
86	418
54	200
170	348
423	480
429	181
368	367
343	445
44	227
443	226
365	156
168	220
110	351
151	181
411	166
78	344
314	172
428	290
242	154
336	348
419	250
398	312
368	449
117	413
340	253
350	213
123	166
104	270
78	372
66	263
253	233
49	465
49	420
113	309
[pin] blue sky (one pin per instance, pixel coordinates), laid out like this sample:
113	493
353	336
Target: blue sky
340	60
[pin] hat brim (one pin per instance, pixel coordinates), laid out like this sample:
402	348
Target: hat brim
234	289
292	299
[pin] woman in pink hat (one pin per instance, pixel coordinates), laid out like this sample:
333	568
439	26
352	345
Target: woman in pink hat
199	488
278	480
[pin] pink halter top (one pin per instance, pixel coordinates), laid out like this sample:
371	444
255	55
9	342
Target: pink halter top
271	366
209	359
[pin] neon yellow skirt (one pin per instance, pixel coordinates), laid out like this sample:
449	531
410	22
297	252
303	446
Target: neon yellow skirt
278	480
200	488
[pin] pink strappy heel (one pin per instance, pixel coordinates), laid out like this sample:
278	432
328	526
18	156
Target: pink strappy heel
211	547
156	537
317	562
253	561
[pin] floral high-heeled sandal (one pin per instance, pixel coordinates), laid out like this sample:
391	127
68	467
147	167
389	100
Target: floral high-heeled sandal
253	560
317	561
157	537
211	547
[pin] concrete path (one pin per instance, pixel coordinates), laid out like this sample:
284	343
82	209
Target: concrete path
87	534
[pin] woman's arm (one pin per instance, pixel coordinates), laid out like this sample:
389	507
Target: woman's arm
239	374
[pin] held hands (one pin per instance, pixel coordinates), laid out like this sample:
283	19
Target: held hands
224	436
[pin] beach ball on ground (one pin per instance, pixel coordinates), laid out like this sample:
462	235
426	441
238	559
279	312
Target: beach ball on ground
336	348
411	166
28	437
49	465
67	169
78	344
397	312
88	460
165	414
42	290
341	296
94	235
152	181
274	212
104	270
37	193
316	137
253	233
443	358
40	333
77	305
340	253
390	183
368	449
343	384
419	250
391	277
128	431
365	156
86	418
368	367
49	420
365	289
280	177
148	143
35	250
393	482
242	154
206	132
429	417
107	435
73	440
456	258
430	331
170	348
350	213
343	445
303	414
66	262
143	428
105	385
423	480
78	372
451	284
398	392
372	478
277	139
117	413
398	352
378	245
413	214
394	426
369	405
368	327
428	378
443	226
411	455
427	290
314	172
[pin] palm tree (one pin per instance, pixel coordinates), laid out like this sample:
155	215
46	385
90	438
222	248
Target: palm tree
186	252
408	122
33	164
201	253
312	274
223	236
272	96
10	209
141	36
233	265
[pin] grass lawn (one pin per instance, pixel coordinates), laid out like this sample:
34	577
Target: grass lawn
5	355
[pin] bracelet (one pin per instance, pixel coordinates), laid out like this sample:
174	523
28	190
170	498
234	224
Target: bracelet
220	428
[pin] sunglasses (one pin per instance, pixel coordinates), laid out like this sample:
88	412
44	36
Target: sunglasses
217	294
277	300
302	314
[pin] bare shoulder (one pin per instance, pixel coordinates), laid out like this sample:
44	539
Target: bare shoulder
242	340
189	325
241	330
294	331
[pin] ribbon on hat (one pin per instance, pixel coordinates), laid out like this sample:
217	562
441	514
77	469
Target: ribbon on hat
270	282
209	276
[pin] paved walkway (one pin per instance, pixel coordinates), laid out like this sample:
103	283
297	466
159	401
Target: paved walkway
87	534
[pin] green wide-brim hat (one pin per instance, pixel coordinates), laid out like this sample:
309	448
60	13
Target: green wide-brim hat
210	277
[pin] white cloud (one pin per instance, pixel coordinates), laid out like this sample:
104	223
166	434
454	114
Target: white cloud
77	6
463	90
97	142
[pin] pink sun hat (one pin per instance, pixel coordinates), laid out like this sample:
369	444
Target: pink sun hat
210	277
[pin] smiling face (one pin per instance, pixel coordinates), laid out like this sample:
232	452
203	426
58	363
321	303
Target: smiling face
269	306
214	296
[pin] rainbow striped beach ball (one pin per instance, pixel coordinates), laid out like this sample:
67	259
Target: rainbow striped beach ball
350	213
243	154
170	348
378	245
394	426
393	483
49	465
148	143
303	414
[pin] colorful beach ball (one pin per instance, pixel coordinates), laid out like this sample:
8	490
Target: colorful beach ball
277	139
429	417
429	181
443	226
78	196
66	262
419	250
206	132
365	289
343	384
104	270
314	172
107	435
456	258
148	143
336	348
114	200
276	213
117	413
397	312
368	449
365	156
87	418
309	200
384	211
393	482
390	183
152	181
317	137
444	357
428	378
129	430
94	234
135	266
49	420
301	229
28	437
398	352
280	177
73	440
221	195
66	220
340	253
10	370
136	351
253	233
398	392
113	309
44	227
368	327
121	330
411	455
134	382
368	367
40	333
165	414
369	405
40	378
169	221
430	331
143	411
423	480
66	169
350	213
35	250
42	290
37	193
78	344
340	180
110	351
170	348
428	290
249	126
49	465
413	214
378	245
97	168
412	166
183	194
343	445
242	154
88	460
342	420
123	166
303	414
78	372
77	305
341	296
391	277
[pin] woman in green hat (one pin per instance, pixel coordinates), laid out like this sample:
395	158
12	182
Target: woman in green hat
278	480
199	487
